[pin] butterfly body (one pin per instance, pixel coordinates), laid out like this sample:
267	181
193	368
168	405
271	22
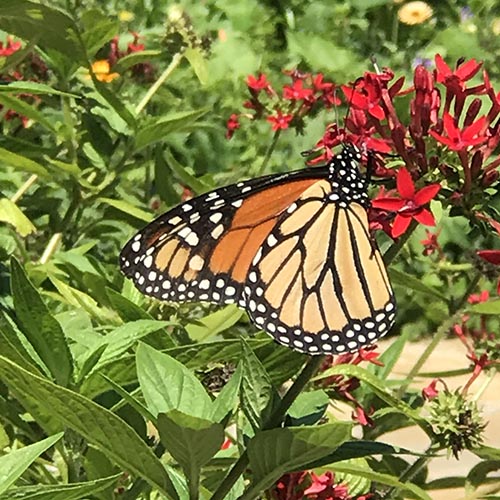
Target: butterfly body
292	249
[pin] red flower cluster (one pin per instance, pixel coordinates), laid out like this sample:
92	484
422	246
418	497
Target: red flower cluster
302	97
32	68
308	485
342	387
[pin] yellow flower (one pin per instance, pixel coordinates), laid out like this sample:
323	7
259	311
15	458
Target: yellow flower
101	70
415	12
125	16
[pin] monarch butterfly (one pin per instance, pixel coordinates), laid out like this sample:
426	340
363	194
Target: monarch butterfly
292	249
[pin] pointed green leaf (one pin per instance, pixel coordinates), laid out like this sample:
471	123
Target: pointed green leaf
126	309
214	323
278	451
50	28
32	87
192	441
127	208
12	214
489	307
73	491
182	173
26	109
157	131
168	385
198	63
410	282
19	162
258	395
41	329
98	425
144	56
308	408
13	465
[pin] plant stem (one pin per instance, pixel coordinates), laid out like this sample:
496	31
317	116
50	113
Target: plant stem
161	80
491	375
274	421
194	484
268	154
20	192
395	248
51	248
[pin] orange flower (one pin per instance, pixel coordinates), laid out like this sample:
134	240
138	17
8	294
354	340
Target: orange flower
101	70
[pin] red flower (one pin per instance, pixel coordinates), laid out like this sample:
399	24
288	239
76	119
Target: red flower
410	205
460	140
367	99
296	92
455	80
431	244
10	47
323	488
231	125
279	121
478	298
362	417
259	83
430	392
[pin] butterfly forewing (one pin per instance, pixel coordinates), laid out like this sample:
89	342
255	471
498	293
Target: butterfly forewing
202	249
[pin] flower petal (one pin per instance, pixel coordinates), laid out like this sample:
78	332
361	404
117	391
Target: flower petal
425	217
400	225
426	194
405	185
390	204
491	256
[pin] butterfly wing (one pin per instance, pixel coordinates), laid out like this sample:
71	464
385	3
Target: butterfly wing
318	283
202	249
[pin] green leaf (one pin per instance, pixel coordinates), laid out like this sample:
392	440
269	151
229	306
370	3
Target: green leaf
73	491
308	408
19	162
129	209
278	451
48	27
11	214
26	109
192	441
410	282
382	478
13	346
98	425
13	465
115	104
487	452
98	30
41	329
258	396
33	88
227	400
489	307
124	337
126	309
214	323
157	131
182	173
168	385
198	63
144	56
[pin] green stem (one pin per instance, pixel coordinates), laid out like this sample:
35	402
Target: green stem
161	80
395	248
268	154
194	484
274	421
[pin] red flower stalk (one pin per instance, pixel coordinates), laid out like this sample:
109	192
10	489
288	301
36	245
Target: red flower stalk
409	205
430	392
431	244
231	125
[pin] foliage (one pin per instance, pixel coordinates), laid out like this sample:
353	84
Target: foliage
112	113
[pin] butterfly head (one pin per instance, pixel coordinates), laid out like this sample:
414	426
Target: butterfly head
348	184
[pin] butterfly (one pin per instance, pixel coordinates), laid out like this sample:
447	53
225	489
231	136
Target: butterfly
294	250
